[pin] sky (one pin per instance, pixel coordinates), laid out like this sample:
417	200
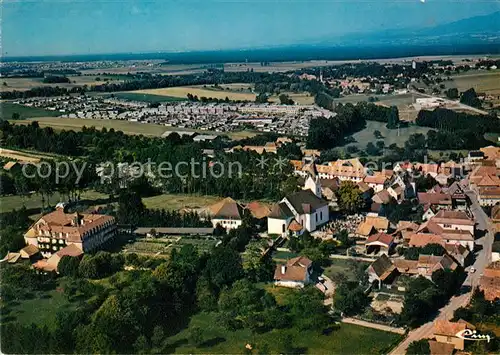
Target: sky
59	27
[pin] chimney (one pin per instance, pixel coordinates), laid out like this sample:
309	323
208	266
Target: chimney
283	269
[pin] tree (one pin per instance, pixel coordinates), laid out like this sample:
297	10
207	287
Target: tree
195	335
308	311
350	200
68	266
261	98
16	116
286	100
470	98
452	93
419	347
350	298
393	118
224	267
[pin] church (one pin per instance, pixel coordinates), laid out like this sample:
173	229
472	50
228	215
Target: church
300	211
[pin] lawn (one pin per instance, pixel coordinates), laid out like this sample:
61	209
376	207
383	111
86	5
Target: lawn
342	266
8	108
348	339
40	310
8	203
146	97
178	201
390	136
282	256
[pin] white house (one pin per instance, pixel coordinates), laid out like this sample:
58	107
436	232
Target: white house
304	207
295	273
227	213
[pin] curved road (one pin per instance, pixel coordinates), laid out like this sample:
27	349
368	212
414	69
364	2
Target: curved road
483	258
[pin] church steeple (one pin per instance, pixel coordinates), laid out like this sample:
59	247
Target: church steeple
312	182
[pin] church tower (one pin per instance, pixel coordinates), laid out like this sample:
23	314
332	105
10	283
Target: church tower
312	182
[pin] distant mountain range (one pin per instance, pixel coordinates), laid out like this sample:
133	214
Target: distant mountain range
473	30
475	35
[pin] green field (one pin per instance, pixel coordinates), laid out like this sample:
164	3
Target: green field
178	201
146	97
347	339
8	203
41	309
342	266
391	136
8	108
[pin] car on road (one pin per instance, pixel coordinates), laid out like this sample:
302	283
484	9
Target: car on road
472	270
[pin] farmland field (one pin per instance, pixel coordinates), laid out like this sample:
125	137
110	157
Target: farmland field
127	127
145	97
347	339
182	91
21	156
23	84
178	201
8	108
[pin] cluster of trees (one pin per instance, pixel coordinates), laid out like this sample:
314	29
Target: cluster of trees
316	250
45	91
131	211
469	97
456	129
424	297
13	225
56	79
204	99
94	147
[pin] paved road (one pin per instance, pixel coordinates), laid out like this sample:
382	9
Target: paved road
363	323
483	258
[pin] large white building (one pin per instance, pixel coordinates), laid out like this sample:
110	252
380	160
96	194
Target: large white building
56	230
305	208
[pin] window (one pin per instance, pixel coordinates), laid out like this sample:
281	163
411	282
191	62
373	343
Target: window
316	217
321	215
283	228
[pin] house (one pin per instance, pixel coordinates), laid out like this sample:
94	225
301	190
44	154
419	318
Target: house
379	243
489	282
382	197
454	220
437	200
403	167
419	240
429	212
458	196
428	264
489	196
459	253
227	213
427	169
258	210
372	224
447	332
57	229
376	182
51	264
307	209
404	229
295	273
349	169
29	252
11	165
382	270
491	152
450	236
